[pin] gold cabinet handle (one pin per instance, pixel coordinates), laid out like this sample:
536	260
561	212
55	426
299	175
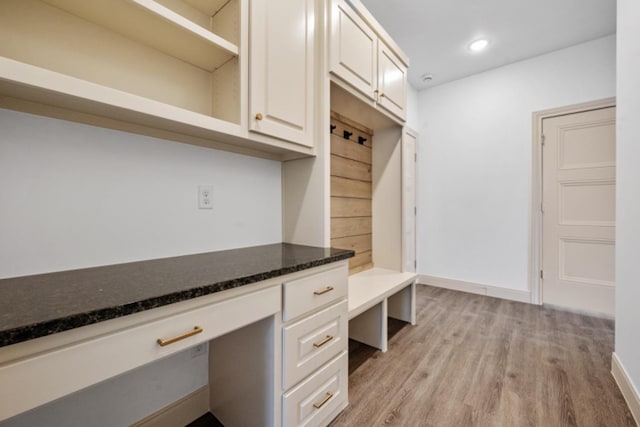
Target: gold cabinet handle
196	330
323	342
382	95
324	291
325	400
259	116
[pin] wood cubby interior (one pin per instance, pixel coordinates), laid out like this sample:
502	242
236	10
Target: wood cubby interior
385	221
182	53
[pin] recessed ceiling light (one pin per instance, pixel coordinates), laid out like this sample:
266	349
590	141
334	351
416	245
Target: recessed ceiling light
478	45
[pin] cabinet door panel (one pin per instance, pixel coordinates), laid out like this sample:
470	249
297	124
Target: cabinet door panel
281	69
392	82
353	49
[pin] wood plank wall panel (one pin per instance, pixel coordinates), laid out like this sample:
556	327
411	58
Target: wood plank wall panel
351	211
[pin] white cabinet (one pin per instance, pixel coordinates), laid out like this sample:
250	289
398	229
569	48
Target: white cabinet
360	56
282	69
174	69
353	49
314	347
392	81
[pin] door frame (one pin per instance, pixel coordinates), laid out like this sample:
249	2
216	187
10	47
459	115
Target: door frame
535	213
414	134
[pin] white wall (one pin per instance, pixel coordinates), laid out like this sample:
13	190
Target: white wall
628	191
75	196
413	118
474	163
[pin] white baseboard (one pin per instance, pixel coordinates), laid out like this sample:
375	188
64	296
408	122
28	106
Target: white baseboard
626	386
476	288
180	412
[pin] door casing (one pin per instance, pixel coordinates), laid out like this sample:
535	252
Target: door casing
535	216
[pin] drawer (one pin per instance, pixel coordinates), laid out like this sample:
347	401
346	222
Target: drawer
317	397
311	292
312	342
76	366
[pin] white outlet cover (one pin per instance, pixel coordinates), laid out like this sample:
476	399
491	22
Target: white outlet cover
205	197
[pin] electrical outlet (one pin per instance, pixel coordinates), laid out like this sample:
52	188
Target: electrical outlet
205	197
198	350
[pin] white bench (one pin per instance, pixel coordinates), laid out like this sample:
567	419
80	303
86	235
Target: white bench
374	295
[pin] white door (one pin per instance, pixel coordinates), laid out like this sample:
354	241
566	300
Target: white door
392	81
409	149
281	69
579	186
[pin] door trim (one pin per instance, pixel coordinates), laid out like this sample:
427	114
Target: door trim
535	213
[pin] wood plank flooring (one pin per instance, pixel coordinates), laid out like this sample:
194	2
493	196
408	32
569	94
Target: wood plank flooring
473	360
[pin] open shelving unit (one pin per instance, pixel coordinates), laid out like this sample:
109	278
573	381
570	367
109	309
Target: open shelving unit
175	69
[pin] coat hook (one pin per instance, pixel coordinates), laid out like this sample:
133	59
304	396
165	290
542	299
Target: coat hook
361	140
347	134
333	127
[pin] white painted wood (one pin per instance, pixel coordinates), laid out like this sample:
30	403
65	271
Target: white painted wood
475	288
409	156
241	375
298	409
625	384
181	412
402	305
579	182
370	327
79	365
353	49
300	295
302	343
369	287
392	81
154	24
387	198
281	101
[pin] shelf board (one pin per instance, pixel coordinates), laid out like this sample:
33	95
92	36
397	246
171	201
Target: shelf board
151	23
91	103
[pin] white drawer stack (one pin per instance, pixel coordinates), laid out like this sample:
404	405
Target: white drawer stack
314	348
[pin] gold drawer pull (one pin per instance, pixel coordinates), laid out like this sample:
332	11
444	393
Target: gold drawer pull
323	342
325	400
196	330
324	291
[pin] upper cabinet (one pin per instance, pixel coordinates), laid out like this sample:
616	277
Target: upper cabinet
361	57
176	69
281	69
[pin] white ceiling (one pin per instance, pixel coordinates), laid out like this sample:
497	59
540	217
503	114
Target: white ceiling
435	33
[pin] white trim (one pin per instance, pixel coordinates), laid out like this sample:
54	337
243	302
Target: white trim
180	412
535	214
629	391
476	288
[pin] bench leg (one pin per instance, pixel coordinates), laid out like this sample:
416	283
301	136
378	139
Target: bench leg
402	305
370	327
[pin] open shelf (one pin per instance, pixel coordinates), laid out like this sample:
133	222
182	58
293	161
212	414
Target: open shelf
170	26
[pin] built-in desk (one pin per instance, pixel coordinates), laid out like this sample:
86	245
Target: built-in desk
62	332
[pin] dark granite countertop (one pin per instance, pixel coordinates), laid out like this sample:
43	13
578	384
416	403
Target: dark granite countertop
44	304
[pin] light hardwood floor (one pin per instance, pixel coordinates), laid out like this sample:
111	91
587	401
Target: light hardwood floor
480	361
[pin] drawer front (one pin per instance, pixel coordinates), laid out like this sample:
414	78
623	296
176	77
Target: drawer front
308	293
74	367
310	343
311	402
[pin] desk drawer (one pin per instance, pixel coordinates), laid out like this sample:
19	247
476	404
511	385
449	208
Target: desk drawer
312	342
317	397
308	293
76	366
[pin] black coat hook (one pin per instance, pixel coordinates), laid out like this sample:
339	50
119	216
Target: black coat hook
361	140
333	127
347	134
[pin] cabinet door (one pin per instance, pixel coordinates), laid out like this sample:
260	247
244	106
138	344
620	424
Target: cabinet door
392	82
352	49
281	69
